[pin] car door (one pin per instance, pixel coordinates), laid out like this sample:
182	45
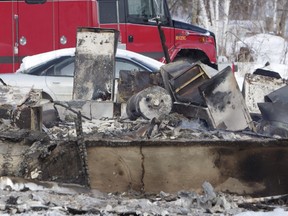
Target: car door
59	79
142	29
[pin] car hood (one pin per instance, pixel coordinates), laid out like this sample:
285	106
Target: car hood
22	80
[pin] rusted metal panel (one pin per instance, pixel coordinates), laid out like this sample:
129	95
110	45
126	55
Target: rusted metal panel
94	64
225	102
258	167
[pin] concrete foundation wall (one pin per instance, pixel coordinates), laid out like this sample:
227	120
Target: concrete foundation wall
244	167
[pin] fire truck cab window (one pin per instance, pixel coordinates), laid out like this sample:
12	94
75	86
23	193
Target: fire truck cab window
35	1
107	12
146	10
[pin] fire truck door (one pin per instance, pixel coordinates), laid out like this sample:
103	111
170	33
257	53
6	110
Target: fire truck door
7	37
36	27
142	29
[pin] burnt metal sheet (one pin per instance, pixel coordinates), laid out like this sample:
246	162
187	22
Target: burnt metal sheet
278	96
182	79
274	112
274	119
132	82
94	64
268	73
194	112
225	102
256	87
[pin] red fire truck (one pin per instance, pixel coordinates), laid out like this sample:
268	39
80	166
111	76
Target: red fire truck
33	26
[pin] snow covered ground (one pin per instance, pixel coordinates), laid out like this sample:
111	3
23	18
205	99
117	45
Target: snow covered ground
264	48
275	212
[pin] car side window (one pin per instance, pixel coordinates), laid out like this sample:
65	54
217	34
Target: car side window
123	64
67	70
64	68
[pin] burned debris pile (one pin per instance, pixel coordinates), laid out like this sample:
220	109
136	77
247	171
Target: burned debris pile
181	96
200	93
137	132
150	134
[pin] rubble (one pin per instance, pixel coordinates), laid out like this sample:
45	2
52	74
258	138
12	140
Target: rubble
257	85
21	106
24	197
148	146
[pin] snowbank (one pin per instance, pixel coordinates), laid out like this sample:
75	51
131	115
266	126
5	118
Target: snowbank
266	47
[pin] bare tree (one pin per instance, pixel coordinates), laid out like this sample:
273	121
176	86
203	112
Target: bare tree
275	25
283	20
204	19
248	17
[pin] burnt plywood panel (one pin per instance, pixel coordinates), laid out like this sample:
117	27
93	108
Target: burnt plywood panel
94	64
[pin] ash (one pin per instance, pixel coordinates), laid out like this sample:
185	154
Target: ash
27	197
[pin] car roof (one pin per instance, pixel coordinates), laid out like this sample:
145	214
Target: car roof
38	59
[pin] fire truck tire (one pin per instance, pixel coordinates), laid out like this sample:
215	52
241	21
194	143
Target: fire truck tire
184	58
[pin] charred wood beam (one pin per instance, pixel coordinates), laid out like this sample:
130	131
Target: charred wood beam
82	148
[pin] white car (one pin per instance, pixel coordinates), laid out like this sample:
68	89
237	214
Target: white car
52	72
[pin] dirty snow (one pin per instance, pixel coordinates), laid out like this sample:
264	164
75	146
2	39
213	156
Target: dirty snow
275	212
265	48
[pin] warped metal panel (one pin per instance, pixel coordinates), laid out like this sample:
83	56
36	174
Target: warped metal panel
94	64
225	102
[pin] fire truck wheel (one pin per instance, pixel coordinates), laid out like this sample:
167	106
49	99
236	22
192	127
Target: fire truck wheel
184	58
